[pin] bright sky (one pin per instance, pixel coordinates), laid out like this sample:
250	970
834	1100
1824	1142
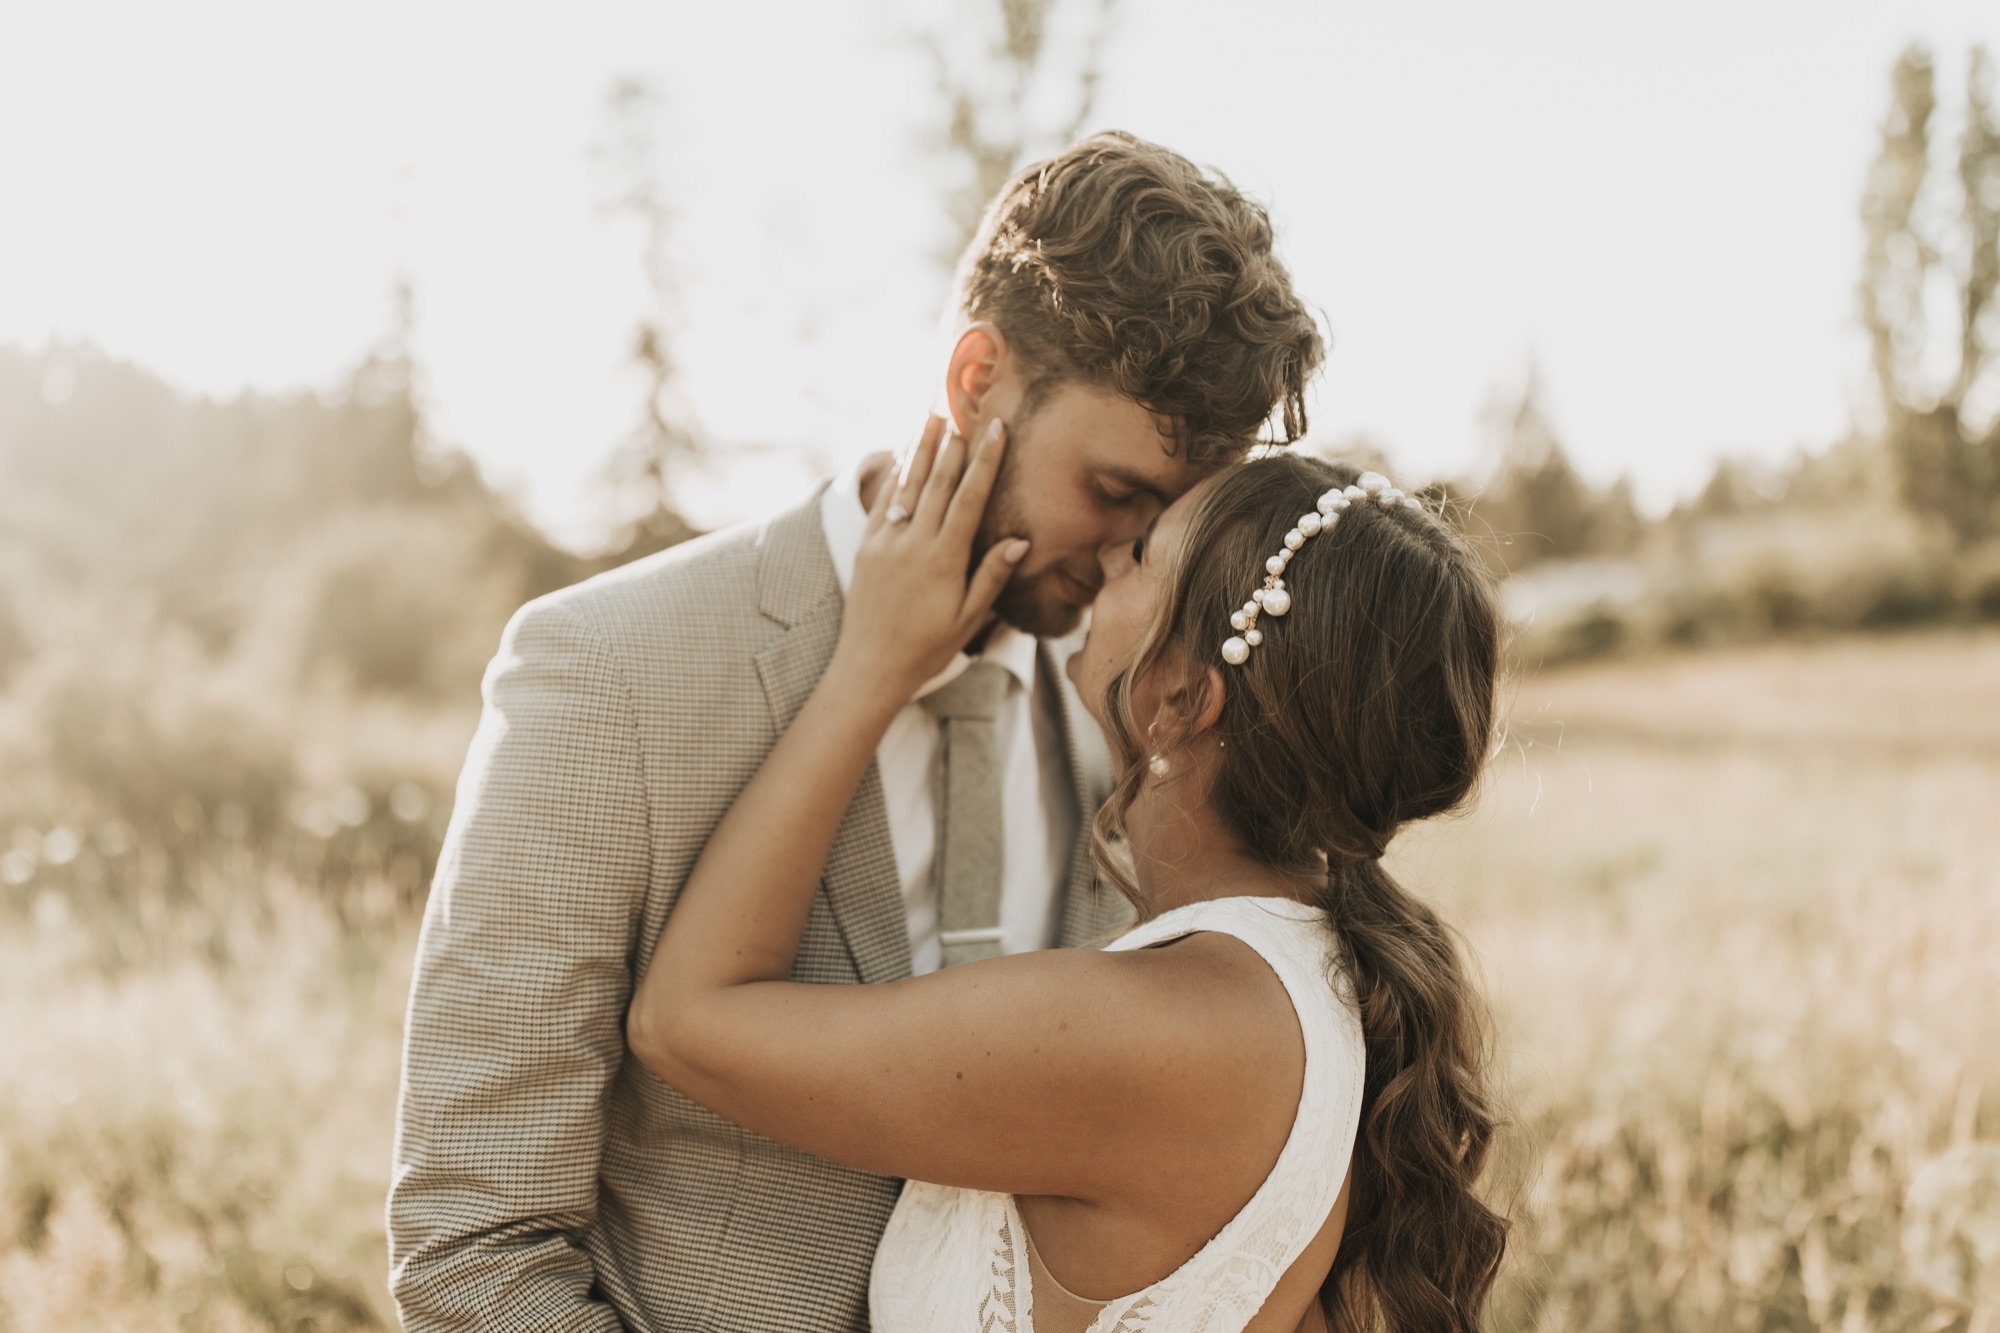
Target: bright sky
1656	203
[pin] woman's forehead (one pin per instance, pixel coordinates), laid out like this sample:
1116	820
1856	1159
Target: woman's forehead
1173	520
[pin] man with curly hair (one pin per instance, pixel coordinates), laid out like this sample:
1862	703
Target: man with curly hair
1126	328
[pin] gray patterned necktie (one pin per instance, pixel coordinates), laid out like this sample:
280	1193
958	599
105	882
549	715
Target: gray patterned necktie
965	790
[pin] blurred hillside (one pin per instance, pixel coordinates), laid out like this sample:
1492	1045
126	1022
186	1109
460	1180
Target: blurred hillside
187	510
256	624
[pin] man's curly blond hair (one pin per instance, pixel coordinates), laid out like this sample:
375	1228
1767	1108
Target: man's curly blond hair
1122	264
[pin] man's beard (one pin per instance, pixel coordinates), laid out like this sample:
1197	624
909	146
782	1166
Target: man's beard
1029	602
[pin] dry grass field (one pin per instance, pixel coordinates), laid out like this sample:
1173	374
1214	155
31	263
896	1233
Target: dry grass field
1740	914
1741	917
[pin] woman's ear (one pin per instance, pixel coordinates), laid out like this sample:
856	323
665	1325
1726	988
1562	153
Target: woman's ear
977	377
1192	705
1208	711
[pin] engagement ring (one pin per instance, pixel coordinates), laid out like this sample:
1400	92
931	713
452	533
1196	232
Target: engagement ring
896	514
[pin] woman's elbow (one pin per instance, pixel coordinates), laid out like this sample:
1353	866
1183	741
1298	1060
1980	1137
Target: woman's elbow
656	1036
681	1037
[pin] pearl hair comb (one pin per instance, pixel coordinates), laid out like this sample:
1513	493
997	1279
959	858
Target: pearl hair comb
1273	599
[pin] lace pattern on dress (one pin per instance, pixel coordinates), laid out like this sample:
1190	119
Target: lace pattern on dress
999	1309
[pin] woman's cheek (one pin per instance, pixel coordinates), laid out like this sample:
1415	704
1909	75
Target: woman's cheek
1122	633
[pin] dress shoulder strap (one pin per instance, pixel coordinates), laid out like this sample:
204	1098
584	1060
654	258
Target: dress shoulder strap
1277	928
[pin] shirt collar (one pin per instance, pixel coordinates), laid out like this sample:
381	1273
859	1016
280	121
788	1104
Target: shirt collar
846	522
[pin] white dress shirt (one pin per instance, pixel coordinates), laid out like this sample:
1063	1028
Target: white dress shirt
1037	805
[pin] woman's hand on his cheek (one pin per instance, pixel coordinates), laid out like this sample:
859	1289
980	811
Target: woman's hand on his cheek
916	600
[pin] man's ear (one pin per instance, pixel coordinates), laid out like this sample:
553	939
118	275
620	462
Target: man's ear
981	365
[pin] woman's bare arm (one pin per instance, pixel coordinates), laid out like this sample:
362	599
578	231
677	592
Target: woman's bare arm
1110	1077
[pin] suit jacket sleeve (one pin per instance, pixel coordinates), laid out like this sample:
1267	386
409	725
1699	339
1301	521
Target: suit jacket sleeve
516	1019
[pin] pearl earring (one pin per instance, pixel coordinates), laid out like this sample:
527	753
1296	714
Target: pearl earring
1158	766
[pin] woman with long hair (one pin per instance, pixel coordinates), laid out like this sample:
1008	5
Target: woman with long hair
1266	1107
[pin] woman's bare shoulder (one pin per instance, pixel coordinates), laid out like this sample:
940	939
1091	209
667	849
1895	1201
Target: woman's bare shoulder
1217	1028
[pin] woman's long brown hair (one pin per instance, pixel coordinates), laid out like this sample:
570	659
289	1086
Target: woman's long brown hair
1371	704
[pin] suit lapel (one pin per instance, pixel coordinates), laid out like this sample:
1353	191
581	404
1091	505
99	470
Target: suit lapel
797	588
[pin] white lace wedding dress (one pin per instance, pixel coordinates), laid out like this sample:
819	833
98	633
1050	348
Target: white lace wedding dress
955	1260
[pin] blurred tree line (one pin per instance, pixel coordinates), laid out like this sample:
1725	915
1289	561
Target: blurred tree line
391	551
1896	524
240	636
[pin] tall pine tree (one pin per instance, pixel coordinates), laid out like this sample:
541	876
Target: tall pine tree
1947	459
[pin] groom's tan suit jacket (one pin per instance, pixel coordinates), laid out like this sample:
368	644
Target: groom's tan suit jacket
543	1179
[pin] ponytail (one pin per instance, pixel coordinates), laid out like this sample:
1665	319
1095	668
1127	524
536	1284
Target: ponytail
1420	1250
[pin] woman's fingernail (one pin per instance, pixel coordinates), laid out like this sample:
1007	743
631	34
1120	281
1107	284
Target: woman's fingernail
1015	550
993	430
